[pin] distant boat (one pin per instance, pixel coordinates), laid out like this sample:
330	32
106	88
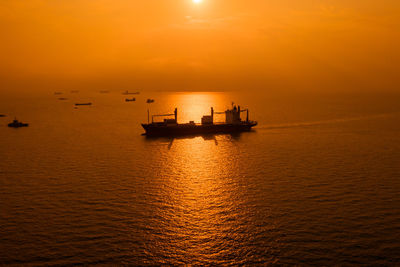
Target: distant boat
150	101
130	93
17	124
130	99
58	93
62	98
2	115
83	104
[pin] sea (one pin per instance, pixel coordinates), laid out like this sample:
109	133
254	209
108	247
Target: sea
316	182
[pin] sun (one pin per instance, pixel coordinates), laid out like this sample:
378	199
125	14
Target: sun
197	1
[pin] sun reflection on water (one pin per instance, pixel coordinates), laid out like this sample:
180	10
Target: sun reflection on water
199	200
192	106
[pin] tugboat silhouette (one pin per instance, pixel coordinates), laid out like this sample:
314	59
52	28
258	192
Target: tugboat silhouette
17	124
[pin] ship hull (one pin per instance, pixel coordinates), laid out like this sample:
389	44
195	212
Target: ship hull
18	125
190	129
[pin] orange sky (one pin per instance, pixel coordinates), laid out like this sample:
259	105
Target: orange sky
315	45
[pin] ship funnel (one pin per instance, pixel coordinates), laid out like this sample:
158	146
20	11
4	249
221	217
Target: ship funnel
176	114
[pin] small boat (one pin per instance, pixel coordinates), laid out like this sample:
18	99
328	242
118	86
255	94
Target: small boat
130	93
150	101
62	98
17	124
130	99
83	104
2	115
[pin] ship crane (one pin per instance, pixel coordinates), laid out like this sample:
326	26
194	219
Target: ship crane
163	115
238	110
217	113
247	114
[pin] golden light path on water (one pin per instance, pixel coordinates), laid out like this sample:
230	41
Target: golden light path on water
192	106
200	192
198	195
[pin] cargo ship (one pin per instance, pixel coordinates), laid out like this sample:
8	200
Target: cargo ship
170	127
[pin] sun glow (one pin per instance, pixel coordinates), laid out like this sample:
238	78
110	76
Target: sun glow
197	1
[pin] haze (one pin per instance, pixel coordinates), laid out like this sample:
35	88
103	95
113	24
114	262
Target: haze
265	45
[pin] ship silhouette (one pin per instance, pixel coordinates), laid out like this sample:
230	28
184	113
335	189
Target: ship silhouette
16	124
170	127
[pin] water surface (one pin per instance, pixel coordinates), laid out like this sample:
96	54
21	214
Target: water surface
316	182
